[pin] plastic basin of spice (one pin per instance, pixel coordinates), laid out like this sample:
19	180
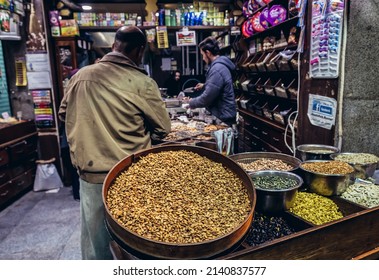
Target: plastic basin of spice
277	195
315	152
323	183
362	170
150	248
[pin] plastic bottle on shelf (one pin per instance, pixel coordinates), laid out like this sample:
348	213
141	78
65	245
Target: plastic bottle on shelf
226	18
200	19
187	19
192	19
173	18
167	17
182	19
11	6
161	17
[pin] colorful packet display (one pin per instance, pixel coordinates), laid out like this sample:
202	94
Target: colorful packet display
327	17
277	14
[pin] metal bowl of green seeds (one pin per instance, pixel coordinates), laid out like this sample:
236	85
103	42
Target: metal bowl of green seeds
276	190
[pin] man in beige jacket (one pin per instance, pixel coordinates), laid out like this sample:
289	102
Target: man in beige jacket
112	109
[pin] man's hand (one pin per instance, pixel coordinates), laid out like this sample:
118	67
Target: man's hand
199	86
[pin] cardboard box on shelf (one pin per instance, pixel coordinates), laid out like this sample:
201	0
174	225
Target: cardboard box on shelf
69	27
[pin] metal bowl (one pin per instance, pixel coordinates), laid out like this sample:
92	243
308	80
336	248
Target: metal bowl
274	200
316	152
163	92
250	157
362	171
163	250
325	184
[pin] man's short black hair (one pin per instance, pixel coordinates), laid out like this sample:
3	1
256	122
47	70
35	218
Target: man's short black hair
210	44
130	37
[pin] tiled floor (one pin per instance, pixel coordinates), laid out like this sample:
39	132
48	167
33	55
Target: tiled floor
41	226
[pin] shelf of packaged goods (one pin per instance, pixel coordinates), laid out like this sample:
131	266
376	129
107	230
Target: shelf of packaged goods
289	22
114	28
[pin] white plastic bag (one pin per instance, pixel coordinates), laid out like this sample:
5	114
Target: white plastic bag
47	178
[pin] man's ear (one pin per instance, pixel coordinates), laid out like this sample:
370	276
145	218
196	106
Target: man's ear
141	50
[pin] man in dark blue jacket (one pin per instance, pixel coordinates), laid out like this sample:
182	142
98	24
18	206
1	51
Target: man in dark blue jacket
218	93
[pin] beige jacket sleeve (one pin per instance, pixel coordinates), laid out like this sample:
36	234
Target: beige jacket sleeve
158	120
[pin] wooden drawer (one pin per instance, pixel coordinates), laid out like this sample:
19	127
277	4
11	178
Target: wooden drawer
18	151
247	137
19	167
277	140
256	129
23	181
4	158
265	133
6	192
4	175
16	185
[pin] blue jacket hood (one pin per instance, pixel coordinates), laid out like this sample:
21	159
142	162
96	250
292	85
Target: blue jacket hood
225	61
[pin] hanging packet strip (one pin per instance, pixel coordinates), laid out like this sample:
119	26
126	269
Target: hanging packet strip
327	19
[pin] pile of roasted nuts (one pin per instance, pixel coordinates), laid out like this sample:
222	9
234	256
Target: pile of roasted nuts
178	197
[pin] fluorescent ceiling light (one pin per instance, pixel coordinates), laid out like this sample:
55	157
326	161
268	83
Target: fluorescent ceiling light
87	7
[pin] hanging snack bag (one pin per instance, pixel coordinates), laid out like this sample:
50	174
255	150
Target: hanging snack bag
263	18
249	7
247	28
293	7
255	19
254	5
261	3
277	14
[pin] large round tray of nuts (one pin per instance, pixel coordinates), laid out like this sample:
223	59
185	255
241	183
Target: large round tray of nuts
178	202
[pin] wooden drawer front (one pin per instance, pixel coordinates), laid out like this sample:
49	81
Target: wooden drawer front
15	186
17	170
23	181
260	145
265	133
266	147
6	192
247	137
4	175
17	151
256	129
277	140
256	144
22	149
19	167
4	159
